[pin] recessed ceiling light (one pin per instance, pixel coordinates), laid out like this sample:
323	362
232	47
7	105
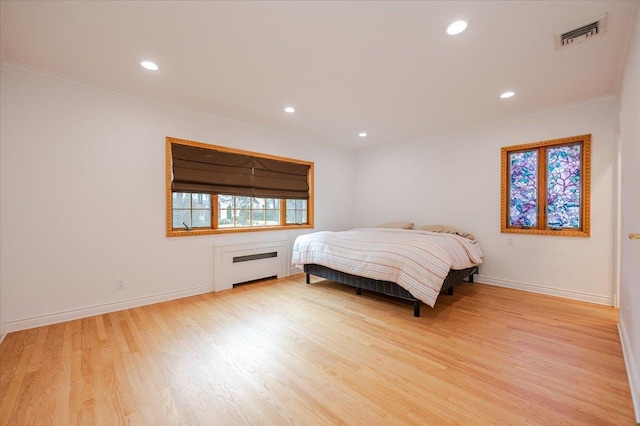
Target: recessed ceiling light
457	27
363	134
506	95
289	109
149	65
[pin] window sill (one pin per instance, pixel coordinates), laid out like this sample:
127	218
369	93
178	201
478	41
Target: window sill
558	233
200	231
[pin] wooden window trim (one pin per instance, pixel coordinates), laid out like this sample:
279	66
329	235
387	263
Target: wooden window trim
176	232
585	208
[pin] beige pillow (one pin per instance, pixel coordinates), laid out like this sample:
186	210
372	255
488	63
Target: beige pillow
396	225
446	229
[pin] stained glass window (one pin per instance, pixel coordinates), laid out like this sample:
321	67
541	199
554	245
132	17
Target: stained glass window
523	188
563	186
545	187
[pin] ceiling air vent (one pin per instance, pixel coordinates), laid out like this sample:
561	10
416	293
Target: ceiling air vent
594	28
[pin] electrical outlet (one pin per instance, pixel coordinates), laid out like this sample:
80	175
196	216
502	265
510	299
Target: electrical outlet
120	283
509	241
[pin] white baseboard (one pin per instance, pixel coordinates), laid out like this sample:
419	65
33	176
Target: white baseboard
74	314
632	372
550	291
54	318
3	331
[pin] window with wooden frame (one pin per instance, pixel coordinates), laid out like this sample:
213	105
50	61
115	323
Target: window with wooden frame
546	187
213	189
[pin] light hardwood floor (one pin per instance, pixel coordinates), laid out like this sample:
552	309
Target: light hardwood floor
283	352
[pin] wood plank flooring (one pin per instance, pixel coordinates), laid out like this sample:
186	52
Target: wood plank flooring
283	352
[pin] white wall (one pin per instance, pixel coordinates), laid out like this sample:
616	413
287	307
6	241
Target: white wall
3	328
630	259
454	178
83	198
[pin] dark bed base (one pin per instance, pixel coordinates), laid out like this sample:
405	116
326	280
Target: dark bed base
386	287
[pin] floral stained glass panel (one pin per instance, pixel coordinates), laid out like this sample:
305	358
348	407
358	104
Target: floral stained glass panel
523	188
563	186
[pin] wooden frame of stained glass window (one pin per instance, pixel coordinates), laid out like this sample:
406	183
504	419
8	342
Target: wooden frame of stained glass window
546	187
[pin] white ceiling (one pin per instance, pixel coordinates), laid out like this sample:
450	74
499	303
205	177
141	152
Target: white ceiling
386	68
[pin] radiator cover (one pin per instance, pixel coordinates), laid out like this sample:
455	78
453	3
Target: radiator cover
239	263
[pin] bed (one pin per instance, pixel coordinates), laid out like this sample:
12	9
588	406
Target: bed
414	265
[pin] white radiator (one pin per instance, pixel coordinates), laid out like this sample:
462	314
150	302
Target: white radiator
239	263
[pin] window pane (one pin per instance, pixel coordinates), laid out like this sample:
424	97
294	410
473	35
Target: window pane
301	216
243	217
257	218
272	203
180	216
291	216
225	218
243	202
225	224
225	201
563	186
273	217
181	200
201	201
296	216
201	218
523	188
296	211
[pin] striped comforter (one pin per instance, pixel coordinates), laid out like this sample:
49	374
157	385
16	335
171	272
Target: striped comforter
416	260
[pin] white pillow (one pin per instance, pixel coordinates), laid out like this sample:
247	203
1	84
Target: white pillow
448	229
396	225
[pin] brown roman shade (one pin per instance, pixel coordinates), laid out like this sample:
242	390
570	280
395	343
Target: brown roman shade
219	172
